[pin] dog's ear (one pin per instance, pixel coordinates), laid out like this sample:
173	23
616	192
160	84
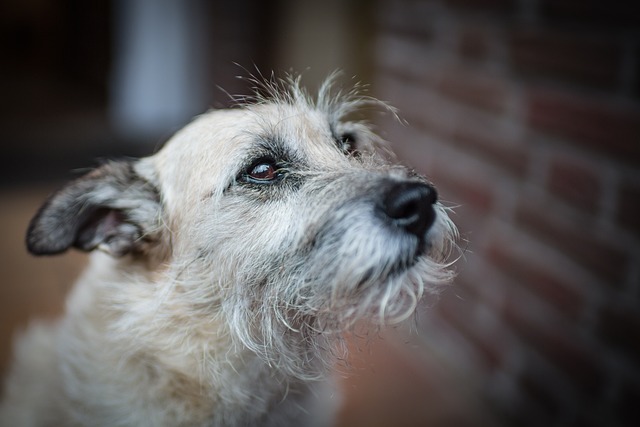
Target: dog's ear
111	209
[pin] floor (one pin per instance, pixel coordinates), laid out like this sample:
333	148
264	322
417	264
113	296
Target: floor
386	385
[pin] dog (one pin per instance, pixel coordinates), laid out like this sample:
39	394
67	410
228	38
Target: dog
226	267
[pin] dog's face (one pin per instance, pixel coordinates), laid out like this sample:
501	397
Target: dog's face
281	215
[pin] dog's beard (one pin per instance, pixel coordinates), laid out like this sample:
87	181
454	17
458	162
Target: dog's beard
380	277
294	317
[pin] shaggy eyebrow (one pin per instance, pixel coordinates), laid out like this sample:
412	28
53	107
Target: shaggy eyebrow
334	125
275	146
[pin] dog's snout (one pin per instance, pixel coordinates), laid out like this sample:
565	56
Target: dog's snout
409	206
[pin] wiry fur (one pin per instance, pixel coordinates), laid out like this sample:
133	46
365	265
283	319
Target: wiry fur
221	300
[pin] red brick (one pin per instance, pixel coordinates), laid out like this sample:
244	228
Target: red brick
565	56
575	183
481	138
606	129
474	43
538	279
474	89
412	95
408	82
620	328
628	212
469	191
417	33
560	345
576	240
456	308
395	59
409	19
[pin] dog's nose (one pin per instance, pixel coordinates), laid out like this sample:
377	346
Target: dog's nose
409	206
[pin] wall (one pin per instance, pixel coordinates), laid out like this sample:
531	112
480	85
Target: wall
526	114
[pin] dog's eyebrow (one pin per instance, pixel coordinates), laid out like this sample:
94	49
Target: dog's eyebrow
276	146
341	133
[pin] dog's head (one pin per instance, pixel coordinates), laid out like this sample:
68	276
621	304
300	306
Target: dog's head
281	215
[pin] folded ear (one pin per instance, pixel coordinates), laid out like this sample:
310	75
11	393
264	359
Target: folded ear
111	208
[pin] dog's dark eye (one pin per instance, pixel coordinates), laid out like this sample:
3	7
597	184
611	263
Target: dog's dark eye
263	171
347	143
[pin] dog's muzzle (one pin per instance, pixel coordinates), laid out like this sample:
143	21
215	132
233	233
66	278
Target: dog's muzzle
408	206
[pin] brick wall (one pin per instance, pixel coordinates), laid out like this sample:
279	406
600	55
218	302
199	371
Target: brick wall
526	114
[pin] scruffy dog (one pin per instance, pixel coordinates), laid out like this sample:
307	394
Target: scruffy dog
225	269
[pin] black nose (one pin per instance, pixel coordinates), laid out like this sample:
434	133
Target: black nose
409	205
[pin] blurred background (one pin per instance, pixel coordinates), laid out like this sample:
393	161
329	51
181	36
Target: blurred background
525	113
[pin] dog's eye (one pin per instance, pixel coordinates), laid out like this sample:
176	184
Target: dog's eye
347	143
263	171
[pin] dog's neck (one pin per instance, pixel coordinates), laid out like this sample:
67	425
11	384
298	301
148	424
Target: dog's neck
191	361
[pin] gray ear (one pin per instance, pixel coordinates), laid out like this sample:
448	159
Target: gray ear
111	208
